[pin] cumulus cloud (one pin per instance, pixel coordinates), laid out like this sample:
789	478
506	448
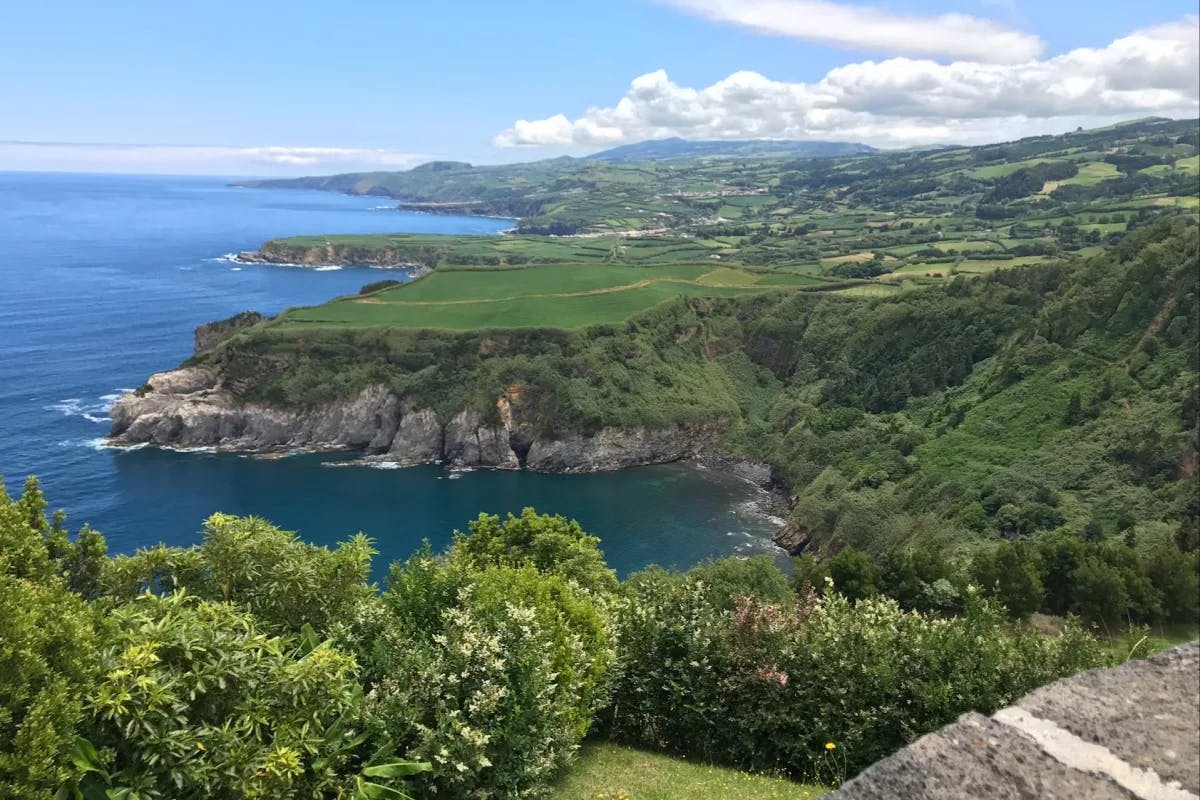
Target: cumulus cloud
873	30
903	101
196	159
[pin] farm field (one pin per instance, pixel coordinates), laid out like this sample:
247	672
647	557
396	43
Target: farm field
598	242
547	295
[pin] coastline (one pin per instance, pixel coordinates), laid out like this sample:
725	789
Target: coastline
416	270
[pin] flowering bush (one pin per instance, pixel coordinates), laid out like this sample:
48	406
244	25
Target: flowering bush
766	686
493	675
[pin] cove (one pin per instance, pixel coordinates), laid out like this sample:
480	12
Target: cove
104	280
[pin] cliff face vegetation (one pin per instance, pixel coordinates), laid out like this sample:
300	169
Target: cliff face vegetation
1023	401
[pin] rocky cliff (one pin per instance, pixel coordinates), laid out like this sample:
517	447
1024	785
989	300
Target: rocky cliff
211	334
333	255
191	408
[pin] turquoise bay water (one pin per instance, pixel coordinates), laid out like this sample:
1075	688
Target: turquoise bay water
103	279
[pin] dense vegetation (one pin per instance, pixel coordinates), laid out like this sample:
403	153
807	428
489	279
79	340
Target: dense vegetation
975	371
254	665
909	216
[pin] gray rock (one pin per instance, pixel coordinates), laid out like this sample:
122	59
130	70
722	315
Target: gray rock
418	439
187	408
1128	732
190	408
975	757
470	443
616	448
1147	712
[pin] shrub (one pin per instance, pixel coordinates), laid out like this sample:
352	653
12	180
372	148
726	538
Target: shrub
764	686
197	702
48	656
491	674
549	544
285	582
47	663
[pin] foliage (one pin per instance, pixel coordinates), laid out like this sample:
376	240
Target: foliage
549	544
491	674
766	686
197	702
284	582
48	655
1009	573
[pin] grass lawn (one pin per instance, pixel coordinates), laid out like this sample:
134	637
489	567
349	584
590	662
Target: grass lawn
545	295
609	772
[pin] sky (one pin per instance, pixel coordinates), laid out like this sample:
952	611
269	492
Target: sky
232	87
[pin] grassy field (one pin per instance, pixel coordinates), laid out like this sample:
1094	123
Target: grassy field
545	295
610	772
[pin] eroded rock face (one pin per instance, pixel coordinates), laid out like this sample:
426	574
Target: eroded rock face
615	448
189	408
470	443
418	439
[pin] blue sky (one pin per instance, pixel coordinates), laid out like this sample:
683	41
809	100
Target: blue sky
296	87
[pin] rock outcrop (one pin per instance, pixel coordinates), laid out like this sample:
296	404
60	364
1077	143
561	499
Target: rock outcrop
1128	732
333	255
190	408
211	334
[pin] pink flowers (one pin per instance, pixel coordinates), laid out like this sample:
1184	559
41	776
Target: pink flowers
771	675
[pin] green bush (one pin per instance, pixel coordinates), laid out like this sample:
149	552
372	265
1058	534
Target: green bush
47	663
491	674
48	657
764	686
285	582
196	702
549	544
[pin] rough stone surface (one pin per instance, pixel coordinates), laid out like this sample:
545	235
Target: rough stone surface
615	448
190	408
418	438
470	443
1145	711
1141	719
975	757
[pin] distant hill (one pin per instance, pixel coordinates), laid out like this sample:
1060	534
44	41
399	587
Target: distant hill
666	149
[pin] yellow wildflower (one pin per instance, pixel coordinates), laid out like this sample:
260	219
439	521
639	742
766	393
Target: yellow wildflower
830	746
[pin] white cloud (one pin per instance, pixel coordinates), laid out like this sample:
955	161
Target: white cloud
196	159
875	30
902	101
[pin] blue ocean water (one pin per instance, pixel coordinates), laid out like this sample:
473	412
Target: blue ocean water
103	278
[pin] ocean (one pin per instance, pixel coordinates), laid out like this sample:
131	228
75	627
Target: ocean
104	277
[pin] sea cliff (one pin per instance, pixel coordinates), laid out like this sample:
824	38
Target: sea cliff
333	255
191	408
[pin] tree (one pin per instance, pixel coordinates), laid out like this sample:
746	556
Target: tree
1059	556
1100	593
1009	573
1174	574
808	574
854	574
1074	411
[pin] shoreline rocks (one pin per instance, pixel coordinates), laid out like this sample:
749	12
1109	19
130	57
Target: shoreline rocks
329	255
189	408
